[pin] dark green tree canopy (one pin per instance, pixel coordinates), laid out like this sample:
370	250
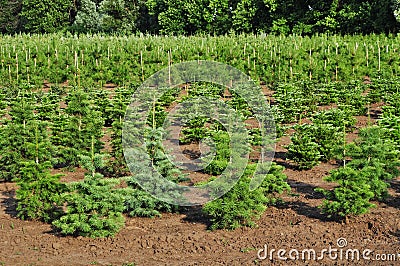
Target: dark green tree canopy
174	17
39	16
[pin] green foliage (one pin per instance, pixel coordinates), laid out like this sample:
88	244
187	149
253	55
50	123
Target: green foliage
139	203
375	178
9	15
374	149
223	153
119	15
41	16
277	60
201	16
218	16
351	197
306	17
38	193
116	111
396	9
12	144
83	126
236	208
109	16
94	208
240	105
275	182
24	138
312	143
87	19
209	90
338	118
392	125
303	151
195	130
94	205
93	163
328	138
241	207
374	161
390	120
178	17
159	159
117	166
294	100
248	15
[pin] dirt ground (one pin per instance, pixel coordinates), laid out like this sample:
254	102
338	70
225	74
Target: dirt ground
183	239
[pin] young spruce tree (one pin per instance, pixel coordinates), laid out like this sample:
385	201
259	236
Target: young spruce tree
94	206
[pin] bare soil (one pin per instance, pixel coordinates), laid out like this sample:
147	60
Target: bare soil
183	238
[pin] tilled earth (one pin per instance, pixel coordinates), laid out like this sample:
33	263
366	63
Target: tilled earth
183	238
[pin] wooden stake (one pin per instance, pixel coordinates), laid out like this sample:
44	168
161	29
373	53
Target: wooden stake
141	64
379	57
16	59
169	66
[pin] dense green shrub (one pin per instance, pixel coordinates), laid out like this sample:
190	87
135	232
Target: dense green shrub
223	153
374	149
392	124
94	208
303	151
38	193
38	16
374	160
195	130
312	143
352	195
338	118
241	207
74	136
140	203
23	138
159	158
295	100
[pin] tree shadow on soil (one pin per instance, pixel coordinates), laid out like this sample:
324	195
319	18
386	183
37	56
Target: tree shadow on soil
195	214
10	203
394	201
303	208
375	114
280	159
305	189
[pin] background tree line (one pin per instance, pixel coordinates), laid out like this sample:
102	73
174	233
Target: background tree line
199	16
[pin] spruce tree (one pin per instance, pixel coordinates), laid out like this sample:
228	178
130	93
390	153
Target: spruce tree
241	207
38	193
75	137
373	162
117	166
94	205
352	195
23	138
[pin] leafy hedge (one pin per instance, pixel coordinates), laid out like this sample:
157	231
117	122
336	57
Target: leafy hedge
241	207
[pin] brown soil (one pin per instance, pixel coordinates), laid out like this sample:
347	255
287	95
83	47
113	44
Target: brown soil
183	238
106	139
